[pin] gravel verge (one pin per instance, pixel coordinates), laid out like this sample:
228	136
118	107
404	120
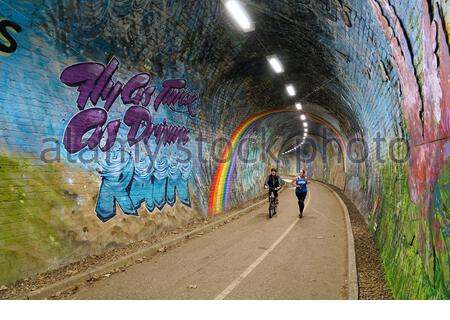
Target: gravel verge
371	280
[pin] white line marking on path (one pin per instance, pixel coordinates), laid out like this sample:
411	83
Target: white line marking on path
260	259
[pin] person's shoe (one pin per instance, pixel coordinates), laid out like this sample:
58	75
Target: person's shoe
300	215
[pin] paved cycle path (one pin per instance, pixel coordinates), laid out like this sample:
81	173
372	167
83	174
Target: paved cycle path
253	257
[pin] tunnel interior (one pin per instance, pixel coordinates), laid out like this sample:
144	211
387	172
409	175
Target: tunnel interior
372	78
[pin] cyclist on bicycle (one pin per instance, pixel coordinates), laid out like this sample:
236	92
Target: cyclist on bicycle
300	183
273	182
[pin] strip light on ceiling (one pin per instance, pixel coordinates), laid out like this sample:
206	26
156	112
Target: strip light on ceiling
239	15
294	148
290	90
275	63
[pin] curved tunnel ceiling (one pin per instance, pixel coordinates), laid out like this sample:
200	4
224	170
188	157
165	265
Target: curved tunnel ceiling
209	46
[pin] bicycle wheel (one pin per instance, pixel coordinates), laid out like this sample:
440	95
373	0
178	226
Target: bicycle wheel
271	209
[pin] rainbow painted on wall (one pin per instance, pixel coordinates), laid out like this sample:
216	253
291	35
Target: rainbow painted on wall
219	196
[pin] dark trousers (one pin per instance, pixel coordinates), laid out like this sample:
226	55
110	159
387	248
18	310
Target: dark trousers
301	200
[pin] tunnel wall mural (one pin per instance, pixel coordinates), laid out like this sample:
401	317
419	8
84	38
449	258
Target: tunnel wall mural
122	120
97	154
326	163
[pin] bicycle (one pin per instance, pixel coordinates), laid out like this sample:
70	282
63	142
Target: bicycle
272	202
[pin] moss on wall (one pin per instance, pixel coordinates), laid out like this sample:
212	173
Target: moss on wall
30	234
47	218
413	269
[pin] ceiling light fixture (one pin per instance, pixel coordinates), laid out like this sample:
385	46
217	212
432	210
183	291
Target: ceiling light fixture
290	90
298	105
239	15
275	63
303	117
294	148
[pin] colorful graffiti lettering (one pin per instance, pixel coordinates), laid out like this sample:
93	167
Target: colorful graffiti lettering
94	82
129	182
155	183
8	44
